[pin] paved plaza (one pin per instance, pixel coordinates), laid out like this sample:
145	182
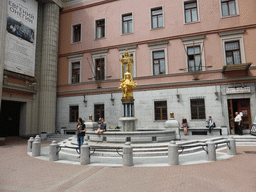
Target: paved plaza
21	172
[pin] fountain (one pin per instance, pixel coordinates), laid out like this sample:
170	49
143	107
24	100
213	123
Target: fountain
129	132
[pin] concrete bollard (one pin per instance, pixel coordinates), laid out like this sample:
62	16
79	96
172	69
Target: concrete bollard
36	148
30	142
85	154
232	144
127	154
54	151
173	153
211	155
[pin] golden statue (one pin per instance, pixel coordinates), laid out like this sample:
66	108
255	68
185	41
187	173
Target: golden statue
127	84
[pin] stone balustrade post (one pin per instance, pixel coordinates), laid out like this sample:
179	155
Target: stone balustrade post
54	151
232	145
127	154
36	147
173	153
211	155
30	142
85	154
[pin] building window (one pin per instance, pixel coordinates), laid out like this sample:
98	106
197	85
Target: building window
98	112
158	62
100	68
76	33
233	47
160	110
194	53
75	72
190	11
197	109
157	18
232	52
100	28
194	58
228	7
73	113
127	23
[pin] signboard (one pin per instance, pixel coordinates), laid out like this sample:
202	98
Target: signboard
21	36
238	90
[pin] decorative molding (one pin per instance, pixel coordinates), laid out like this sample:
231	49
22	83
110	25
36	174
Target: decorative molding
75	56
158	43
198	37
104	51
228	33
127	47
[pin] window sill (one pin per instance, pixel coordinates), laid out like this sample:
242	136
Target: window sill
153	29
192	23
224	17
123	34
160	121
100	38
73	43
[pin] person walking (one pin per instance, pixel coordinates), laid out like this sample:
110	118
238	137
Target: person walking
238	120
80	133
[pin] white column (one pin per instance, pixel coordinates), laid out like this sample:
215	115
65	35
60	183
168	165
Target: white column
48	83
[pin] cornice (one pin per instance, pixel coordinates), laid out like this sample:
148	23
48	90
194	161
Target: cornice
151	41
160	86
93	4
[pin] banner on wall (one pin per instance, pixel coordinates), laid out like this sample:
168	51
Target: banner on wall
21	36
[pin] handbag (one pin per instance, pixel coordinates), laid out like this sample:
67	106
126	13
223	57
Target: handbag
214	125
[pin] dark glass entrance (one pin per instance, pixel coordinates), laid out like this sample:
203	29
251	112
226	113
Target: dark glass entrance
10	118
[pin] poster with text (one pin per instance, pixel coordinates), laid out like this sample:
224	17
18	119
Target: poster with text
21	36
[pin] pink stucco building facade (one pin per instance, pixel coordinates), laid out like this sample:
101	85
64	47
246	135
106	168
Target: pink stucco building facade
194	58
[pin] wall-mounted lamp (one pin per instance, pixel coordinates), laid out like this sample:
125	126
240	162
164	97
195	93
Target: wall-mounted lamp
216	95
112	99
178	96
85	101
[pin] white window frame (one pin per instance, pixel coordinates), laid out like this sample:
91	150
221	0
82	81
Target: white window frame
237	10
198	13
95	29
72	33
228	37
122	24
194	41
74	59
99	55
150	16
153	48
132	51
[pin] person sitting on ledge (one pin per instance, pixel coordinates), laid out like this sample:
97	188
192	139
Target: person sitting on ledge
102	127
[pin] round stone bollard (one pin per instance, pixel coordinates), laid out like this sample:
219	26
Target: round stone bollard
211	155
85	154
173	153
37	136
54	151
127	154
30	142
36	148
232	145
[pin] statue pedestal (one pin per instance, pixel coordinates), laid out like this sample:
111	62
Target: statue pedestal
91	125
173	125
127	124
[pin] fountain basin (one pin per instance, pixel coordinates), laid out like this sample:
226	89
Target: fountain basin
133	137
